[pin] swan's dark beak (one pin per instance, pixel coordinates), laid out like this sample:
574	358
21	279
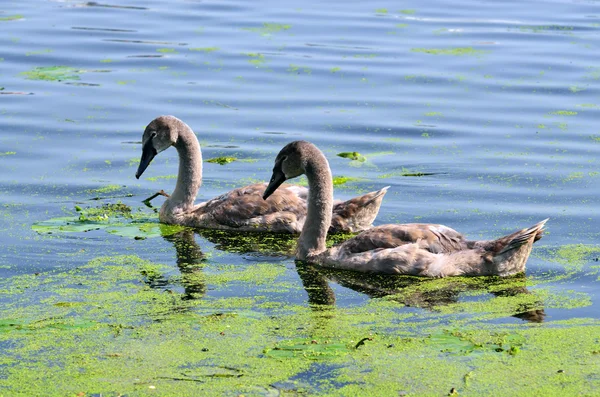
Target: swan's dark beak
276	180
148	153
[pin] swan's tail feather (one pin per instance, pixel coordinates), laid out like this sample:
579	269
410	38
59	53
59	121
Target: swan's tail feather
358	213
517	239
509	254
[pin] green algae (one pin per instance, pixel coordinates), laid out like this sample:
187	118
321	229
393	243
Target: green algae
354	156
547	28
573	256
123	325
156	178
458	51
204	49
406	173
299	69
257	274
311	349
564	113
11	18
341	180
117	219
45	51
257	59
269	28
53	73
221	160
233	241
106	189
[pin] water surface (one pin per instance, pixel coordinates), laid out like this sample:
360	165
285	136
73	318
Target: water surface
495	102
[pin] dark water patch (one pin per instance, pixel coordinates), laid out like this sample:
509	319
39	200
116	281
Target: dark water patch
125	7
222	146
104	29
144	42
81	84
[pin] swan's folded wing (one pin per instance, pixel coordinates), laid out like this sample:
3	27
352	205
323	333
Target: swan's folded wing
245	207
431	237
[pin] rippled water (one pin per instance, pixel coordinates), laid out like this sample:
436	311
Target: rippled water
497	102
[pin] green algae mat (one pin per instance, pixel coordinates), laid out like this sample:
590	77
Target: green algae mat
125	326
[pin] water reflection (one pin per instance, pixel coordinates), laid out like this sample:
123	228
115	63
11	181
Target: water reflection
413	291
190	263
263	244
410	291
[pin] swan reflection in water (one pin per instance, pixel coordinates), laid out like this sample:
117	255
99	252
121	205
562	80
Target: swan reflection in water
406	290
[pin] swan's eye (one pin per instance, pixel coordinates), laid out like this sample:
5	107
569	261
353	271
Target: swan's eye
153	134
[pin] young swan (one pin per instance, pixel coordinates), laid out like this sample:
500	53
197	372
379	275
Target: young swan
415	249
242	209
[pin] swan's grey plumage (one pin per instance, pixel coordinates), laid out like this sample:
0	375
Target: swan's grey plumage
417	249
241	209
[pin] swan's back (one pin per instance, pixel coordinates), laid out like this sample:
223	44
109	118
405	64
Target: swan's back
431	237
432	251
244	209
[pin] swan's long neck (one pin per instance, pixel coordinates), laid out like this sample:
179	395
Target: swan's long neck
189	178
320	206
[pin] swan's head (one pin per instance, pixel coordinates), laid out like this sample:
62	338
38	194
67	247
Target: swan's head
159	135
290	163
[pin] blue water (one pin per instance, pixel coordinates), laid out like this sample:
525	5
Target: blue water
507	129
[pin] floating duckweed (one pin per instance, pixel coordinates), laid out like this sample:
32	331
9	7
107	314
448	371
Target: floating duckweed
257	274
574	255
564	113
310	349
355	156
106	189
573	176
222	160
405	172
297	69
205	49
45	51
408	12
340	180
269	28
459	51
156	178
11	18
53	73
7	154
257	59
167	50
117	219
381	10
